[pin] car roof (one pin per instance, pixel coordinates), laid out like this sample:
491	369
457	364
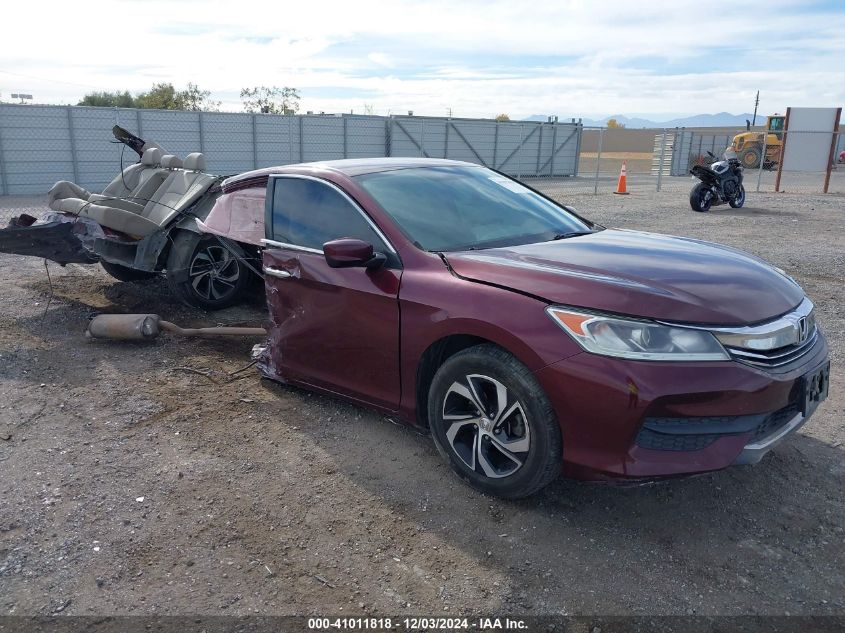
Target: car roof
348	166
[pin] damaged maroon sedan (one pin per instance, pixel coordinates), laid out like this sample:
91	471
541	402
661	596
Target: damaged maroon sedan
528	339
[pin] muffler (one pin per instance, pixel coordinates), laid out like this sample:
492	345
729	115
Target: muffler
146	327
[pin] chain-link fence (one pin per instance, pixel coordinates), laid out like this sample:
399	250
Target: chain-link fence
40	145
660	160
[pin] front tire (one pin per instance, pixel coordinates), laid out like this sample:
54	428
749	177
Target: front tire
701	198
491	421
739	199
203	273
124	273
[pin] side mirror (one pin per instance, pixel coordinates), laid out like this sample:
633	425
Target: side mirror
351	253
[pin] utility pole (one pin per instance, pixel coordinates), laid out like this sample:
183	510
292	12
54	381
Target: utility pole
756	103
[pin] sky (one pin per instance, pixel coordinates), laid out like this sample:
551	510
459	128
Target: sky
572	58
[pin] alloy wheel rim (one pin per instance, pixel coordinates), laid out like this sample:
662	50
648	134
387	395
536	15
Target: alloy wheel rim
214	273
486	427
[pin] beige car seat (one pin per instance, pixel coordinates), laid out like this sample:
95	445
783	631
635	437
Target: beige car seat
180	190
135	180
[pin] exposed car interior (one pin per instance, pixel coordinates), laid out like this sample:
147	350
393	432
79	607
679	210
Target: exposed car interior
144	200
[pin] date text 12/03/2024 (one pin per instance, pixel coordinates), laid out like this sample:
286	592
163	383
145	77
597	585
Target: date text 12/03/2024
417	624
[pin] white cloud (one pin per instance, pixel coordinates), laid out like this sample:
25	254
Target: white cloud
479	58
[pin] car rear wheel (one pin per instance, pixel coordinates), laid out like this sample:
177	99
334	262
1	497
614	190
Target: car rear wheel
124	273
494	425
202	272
701	198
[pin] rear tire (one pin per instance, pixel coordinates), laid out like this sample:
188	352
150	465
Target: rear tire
750	158
203	273
739	200
124	273
492	422
700	198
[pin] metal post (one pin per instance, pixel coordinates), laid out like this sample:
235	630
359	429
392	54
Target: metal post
598	162
301	141
73	157
579	131
290	138
138	122
495	144
782	149
519	155
662	157
254	144
539	149
832	156
202	133
422	137
446	145
388	136
762	162
554	148
345	152
3	182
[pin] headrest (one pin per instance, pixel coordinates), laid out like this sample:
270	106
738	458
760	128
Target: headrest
195	162
169	161
152	156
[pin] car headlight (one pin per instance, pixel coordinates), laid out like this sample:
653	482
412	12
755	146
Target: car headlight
631	338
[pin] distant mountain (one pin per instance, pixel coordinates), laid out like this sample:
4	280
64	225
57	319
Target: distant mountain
721	119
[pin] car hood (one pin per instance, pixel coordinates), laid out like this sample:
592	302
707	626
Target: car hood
639	274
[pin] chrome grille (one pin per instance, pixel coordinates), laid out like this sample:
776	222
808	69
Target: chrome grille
775	357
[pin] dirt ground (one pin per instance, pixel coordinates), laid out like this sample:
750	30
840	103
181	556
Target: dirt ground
148	479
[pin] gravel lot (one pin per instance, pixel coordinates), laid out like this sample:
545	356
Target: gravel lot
131	484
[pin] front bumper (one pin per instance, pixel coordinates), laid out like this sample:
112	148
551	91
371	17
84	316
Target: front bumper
635	419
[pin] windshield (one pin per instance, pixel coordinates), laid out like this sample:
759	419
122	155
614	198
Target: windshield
455	208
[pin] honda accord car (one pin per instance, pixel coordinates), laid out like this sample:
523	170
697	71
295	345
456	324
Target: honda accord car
529	340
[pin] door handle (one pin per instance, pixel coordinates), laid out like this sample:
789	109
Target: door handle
277	272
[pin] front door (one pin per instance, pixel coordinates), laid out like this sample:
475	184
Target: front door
335	328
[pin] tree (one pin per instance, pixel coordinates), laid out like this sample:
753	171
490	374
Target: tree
270	100
369	108
162	96
614	124
192	98
503	117
108	99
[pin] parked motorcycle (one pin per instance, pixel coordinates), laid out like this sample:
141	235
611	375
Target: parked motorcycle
721	182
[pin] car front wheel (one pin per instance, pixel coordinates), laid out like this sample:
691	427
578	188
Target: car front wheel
491	420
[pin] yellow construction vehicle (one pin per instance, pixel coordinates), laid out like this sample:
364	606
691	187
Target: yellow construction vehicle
749	145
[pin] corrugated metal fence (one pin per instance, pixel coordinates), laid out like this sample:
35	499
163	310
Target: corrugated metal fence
685	148
42	144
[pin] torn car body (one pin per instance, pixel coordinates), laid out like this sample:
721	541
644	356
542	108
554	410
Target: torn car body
143	222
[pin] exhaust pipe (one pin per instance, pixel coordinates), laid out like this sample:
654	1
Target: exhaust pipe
146	327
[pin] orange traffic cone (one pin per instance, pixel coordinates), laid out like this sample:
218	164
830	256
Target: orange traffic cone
623	179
